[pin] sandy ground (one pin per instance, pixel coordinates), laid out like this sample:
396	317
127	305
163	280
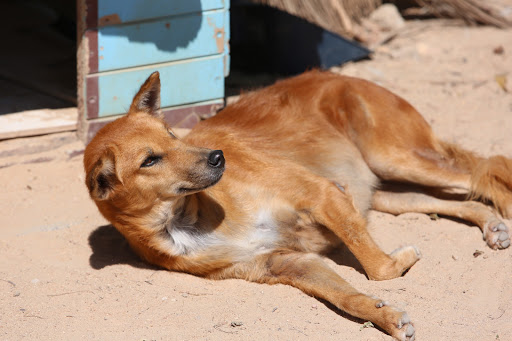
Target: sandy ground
65	274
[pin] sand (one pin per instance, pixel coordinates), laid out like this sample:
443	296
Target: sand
65	274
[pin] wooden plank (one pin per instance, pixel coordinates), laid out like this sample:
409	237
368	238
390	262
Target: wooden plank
37	122
112	12
161	41
183	82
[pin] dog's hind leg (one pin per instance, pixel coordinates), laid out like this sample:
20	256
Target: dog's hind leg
309	273
399	145
494	230
450	167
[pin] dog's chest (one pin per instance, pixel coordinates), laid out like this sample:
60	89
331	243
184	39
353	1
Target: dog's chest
268	227
285	227
264	220
262	233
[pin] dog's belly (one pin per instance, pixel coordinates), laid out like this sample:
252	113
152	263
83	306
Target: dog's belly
346	167
338	160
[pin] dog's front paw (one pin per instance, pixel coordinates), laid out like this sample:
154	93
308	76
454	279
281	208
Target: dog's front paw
496	235
396	323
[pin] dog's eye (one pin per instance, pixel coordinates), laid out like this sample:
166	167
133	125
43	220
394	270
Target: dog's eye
150	161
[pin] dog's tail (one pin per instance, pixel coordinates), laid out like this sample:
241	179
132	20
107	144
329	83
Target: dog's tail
491	178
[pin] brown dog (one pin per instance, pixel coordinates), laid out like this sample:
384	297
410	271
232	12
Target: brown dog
304	159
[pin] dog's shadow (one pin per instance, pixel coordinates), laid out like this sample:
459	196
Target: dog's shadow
109	247
341	255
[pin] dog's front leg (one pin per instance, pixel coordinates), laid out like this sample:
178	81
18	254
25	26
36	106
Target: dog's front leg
309	273
333	207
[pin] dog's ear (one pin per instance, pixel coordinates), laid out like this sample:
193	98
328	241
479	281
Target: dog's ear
102	178
148	98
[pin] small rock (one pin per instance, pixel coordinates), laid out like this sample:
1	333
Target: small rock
237	323
477	253
498	50
502	81
433	216
367	324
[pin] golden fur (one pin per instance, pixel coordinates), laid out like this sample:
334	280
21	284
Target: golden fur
304	161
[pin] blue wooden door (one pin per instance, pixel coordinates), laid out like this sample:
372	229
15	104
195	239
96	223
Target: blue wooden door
185	40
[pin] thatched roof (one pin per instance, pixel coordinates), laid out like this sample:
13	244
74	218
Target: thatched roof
338	16
344	16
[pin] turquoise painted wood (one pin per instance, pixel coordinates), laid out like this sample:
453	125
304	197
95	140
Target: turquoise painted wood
163	40
183	82
136	10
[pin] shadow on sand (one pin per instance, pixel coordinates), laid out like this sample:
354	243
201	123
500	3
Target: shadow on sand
109	247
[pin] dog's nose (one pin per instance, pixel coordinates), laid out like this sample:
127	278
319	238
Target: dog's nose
216	159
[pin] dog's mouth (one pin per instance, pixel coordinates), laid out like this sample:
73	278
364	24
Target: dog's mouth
198	189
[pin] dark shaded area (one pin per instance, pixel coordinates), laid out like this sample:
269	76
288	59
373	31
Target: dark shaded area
38	65
342	256
109	247
38	59
268	41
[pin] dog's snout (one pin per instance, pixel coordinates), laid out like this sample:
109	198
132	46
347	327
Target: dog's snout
216	159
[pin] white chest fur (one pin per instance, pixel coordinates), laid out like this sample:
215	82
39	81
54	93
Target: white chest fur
260	235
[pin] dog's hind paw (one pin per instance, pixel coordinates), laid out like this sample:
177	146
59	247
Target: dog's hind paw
496	235
406	257
396	264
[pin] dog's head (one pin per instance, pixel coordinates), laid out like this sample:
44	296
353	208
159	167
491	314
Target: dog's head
137	161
